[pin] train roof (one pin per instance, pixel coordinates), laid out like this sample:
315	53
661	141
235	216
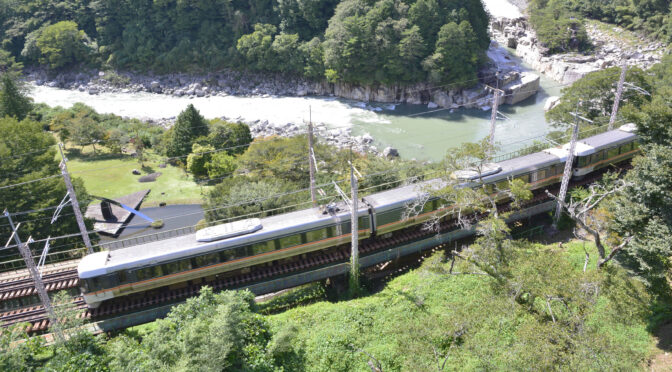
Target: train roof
400	196
526	164
186	245
595	143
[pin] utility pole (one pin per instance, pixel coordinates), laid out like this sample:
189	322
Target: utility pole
619	93
493	116
35	275
311	157
567	174
73	201
354	227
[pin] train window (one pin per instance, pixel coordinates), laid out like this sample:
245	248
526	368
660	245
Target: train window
170	268
290	241
95	284
635	145
612	152
503	185
388	217
227	255
538	175
207	259
626	147
331	231
583	161
262	248
184	265
315	235
525	178
157	271
143	274
363	222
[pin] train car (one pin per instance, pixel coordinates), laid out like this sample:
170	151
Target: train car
599	151
242	244
109	274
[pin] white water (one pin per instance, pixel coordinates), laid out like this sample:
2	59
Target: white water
277	110
502	8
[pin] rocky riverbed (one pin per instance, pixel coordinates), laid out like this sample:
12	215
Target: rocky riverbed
609	50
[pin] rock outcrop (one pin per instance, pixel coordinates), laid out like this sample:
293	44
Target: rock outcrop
569	67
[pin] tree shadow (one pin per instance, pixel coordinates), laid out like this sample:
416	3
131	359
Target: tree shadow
147	169
77	154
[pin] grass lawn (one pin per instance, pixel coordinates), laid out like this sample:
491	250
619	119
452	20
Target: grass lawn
110	175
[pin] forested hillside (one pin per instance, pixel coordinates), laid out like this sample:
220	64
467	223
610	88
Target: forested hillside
358	41
559	23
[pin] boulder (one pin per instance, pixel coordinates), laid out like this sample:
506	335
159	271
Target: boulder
519	90
551	102
390	152
432	105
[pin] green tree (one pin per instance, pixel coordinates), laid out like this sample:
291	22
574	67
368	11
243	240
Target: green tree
85	131
28	153
232	136
211	332
62	44
12	101
596	93
242	197
189	126
198	160
456	57
221	165
644	211
257	49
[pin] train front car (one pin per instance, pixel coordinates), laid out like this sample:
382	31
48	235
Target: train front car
214	252
599	151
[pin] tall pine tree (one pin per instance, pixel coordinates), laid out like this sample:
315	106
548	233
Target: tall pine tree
12	102
189	126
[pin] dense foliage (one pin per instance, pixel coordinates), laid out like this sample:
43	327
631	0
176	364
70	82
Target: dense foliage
383	41
645	210
559	23
429	319
559	28
27	154
650	16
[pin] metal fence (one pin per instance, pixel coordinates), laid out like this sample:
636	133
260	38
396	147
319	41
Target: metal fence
51	258
146	238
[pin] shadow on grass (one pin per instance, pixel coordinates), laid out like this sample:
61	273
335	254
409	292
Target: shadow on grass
76	154
147	169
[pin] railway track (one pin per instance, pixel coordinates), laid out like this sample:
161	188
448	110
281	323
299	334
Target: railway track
36	317
16	288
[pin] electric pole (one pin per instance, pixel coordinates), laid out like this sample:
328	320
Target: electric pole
619	93
73	201
311	157
493	116
35	275
567	174
354	227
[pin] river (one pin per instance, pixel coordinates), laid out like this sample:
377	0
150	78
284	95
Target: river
416	131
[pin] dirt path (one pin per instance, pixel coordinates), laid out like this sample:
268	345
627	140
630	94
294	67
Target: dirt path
662	361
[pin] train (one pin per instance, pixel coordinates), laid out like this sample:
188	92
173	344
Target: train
239	245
